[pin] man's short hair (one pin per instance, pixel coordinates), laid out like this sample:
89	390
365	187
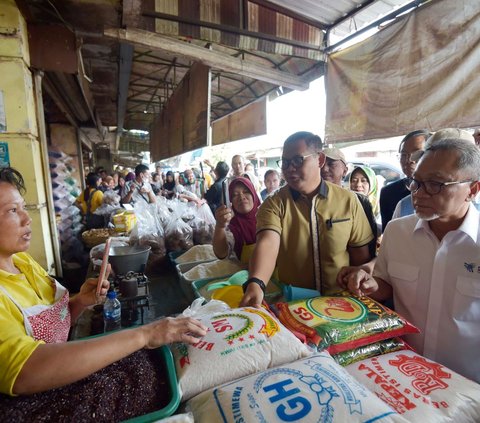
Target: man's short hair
467	152
222	169
412	134
314	142
13	177
239	155
140	169
271	172
452	133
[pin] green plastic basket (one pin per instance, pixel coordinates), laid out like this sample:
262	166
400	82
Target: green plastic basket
173	255
174	402
198	285
164	354
273	294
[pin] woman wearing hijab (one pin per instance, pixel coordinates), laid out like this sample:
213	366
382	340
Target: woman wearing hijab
364	181
168	189
235	230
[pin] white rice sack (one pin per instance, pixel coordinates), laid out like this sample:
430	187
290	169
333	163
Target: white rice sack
213	269
239	342
314	389
178	418
197	253
419	389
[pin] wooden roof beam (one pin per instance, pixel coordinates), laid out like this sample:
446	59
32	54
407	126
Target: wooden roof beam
214	59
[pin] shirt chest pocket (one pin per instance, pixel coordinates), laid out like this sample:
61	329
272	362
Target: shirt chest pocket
466	303
404	279
336	231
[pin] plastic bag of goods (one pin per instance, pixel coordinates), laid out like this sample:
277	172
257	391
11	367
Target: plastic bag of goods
371	350
162	211
343	321
313	389
148	232
178	235
239	342
419	389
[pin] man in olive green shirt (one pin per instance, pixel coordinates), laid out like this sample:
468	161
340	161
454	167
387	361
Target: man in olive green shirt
309	229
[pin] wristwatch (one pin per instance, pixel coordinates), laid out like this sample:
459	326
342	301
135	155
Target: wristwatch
259	282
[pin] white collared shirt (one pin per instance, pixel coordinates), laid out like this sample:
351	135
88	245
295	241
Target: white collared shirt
436	286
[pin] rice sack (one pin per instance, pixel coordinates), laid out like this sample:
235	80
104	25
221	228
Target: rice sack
371	350
313	389
419	389
342	322
239	342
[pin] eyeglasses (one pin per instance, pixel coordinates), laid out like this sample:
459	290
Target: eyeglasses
430	187
414	157
295	161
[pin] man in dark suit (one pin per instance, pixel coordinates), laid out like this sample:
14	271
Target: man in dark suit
392	193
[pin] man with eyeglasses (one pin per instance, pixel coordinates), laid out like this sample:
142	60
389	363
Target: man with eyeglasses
309	228
430	262
405	206
392	193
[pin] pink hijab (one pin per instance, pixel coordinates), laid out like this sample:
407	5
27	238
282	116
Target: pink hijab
244	225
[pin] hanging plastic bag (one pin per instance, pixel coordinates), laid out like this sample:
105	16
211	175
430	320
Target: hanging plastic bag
178	234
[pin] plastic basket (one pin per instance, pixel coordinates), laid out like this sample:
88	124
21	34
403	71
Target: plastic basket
173	387
199	286
172	256
166	356
274	289
94	237
186	284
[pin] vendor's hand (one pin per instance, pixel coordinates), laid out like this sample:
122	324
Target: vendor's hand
223	215
357	281
88	291
253	296
169	330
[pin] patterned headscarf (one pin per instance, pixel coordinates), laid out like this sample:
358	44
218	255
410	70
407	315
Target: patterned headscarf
243	225
373	193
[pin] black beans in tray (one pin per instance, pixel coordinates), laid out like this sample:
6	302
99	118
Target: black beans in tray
131	387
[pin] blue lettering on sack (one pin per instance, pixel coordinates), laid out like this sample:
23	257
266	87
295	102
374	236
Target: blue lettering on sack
293	407
237	414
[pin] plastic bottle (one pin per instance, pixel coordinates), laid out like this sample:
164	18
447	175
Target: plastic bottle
112	312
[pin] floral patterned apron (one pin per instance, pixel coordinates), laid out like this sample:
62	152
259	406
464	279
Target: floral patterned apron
48	323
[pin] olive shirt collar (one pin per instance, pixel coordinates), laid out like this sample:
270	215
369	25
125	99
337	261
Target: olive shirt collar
322	191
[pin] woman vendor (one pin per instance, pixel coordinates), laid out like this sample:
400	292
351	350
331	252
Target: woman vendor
237	231
36	313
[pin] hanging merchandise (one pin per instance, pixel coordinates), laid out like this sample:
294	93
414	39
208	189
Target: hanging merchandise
65	189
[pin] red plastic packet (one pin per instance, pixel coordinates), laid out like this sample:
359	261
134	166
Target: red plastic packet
342	322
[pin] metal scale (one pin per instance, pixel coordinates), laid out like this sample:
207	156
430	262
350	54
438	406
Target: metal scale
130	282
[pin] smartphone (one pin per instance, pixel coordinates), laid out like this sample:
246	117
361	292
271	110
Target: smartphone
225	194
103	267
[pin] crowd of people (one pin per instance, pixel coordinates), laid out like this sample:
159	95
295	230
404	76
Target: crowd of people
312	231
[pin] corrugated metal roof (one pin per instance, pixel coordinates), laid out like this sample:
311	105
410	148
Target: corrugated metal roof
329	12
285	35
